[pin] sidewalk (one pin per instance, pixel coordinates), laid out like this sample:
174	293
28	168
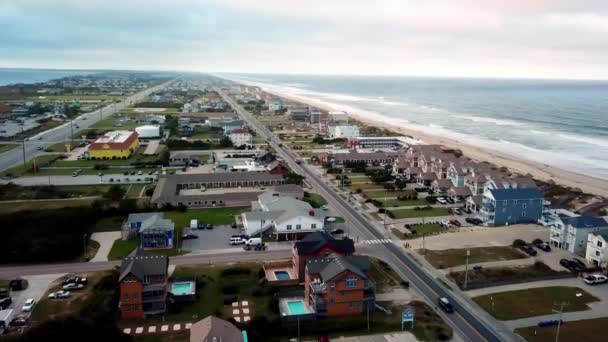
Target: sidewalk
106	240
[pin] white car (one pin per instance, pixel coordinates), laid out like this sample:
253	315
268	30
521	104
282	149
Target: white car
595	279
73	286
29	305
441	200
445	223
59	294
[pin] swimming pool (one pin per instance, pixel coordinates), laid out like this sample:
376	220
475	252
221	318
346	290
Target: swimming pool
281	275
297	308
182	288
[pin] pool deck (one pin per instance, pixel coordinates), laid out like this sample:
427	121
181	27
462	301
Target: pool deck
191	288
280	266
286	313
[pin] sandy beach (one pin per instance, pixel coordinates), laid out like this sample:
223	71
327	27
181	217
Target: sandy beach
538	170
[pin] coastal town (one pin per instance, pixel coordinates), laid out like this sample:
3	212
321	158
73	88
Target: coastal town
188	207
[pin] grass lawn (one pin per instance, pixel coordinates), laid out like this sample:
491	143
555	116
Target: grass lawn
59	147
381	194
122	248
518	274
383	276
408	213
206	136
406	203
426	229
7	147
27	168
47	308
456	257
368	186
588	330
10	207
534	302
109	224
315	200
135	190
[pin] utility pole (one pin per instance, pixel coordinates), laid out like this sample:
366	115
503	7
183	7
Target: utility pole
466	269
71	133
24	160
559	319
367	306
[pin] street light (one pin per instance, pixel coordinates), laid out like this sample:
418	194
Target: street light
466	269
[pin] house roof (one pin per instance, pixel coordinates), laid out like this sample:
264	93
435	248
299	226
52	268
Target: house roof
317	240
140	266
443	183
328	268
461	191
213	329
585	221
239	131
517	193
117	140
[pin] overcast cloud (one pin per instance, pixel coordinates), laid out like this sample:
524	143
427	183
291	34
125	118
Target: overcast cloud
490	38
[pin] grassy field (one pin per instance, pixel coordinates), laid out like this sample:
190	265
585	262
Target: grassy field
426	229
517	274
456	257
122	248
135	190
369	186
7	147
27	168
534	302
10	207
381	194
315	200
109	224
406	203
59	147
408	213
588	330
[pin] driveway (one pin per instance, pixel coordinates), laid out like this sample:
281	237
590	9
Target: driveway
106	240
209	239
37	286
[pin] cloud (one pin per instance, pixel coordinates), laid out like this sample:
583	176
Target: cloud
542	38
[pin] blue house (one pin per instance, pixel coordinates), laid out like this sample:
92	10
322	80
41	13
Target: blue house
153	230
501	207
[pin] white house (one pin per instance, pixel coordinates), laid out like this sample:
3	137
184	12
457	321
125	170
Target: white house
571	233
148	131
597	249
240	137
275	105
287	217
344	131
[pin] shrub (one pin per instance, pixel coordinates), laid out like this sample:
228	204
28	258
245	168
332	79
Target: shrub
261	274
519	243
230	289
232	271
229	299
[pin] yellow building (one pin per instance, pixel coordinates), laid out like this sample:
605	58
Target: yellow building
114	145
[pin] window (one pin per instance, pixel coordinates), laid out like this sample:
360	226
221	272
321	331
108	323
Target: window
350	305
127	308
525	205
351	283
600	244
126	296
288	227
135	307
135	295
597	253
332	301
313	226
332	287
523	213
298	226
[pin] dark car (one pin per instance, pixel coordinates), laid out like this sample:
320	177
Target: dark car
5	303
69	280
337	231
189	236
209	226
578	264
542	245
473	220
467	210
455	222
568	264
19	321
445	305
126	173
528	250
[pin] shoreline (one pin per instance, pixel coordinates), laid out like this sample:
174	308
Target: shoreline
540	171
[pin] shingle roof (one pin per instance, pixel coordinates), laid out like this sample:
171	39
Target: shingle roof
213	329
585	221
317	240
140	266
513	194
335	264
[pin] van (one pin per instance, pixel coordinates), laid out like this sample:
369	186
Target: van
6	316
254	242
193	224
236	241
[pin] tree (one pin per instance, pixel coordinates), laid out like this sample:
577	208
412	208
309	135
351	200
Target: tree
389	186
294	178
225	142
127	205
400	184
114	193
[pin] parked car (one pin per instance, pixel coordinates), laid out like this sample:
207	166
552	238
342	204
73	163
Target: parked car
445	223
456	211
73	286
595	279
579	264
19	321
59	294
126	173
140	173
5	303
132	173
189	236
209	226
445	305
455	222
28	305
568	264
542	245
337	231
467	210
236	240
528	250
441	200
325	207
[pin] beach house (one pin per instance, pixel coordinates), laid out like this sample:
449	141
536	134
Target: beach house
597	249
501	207
143	286
572	232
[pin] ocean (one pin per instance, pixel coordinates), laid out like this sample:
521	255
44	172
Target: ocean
554	122
14	76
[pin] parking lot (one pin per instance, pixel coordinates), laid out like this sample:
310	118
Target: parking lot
37	286
210	239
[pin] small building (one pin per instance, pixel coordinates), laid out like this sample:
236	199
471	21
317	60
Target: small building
315	117
153	230
511	206
240	137
148	131
597	249
339	285
572	233
346	159
275	105
143	286
114	145
299	113
349	132
213	329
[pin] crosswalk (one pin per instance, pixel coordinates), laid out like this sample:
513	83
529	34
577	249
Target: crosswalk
375	242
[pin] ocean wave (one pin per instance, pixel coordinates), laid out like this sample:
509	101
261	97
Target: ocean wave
585	140
498	122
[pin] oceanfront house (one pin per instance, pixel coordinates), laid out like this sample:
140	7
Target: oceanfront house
344	159
207	189
315	117
597	249
339	285
380	142
153	230
114	145
502	207
459	194
240	137
143	286
286	217
441	186
275	105
317	245
299	113
572	233
348	132
213	329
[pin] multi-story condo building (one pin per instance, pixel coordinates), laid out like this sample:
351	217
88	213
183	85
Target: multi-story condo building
143	286
572	233
511	206
597	249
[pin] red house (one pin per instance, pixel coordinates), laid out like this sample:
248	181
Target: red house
143	286
318	245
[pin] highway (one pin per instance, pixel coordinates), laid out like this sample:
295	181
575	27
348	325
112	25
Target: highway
62	133
465	321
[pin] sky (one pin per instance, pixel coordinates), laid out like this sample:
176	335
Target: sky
453	38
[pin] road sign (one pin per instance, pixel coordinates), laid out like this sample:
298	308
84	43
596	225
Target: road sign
407	316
